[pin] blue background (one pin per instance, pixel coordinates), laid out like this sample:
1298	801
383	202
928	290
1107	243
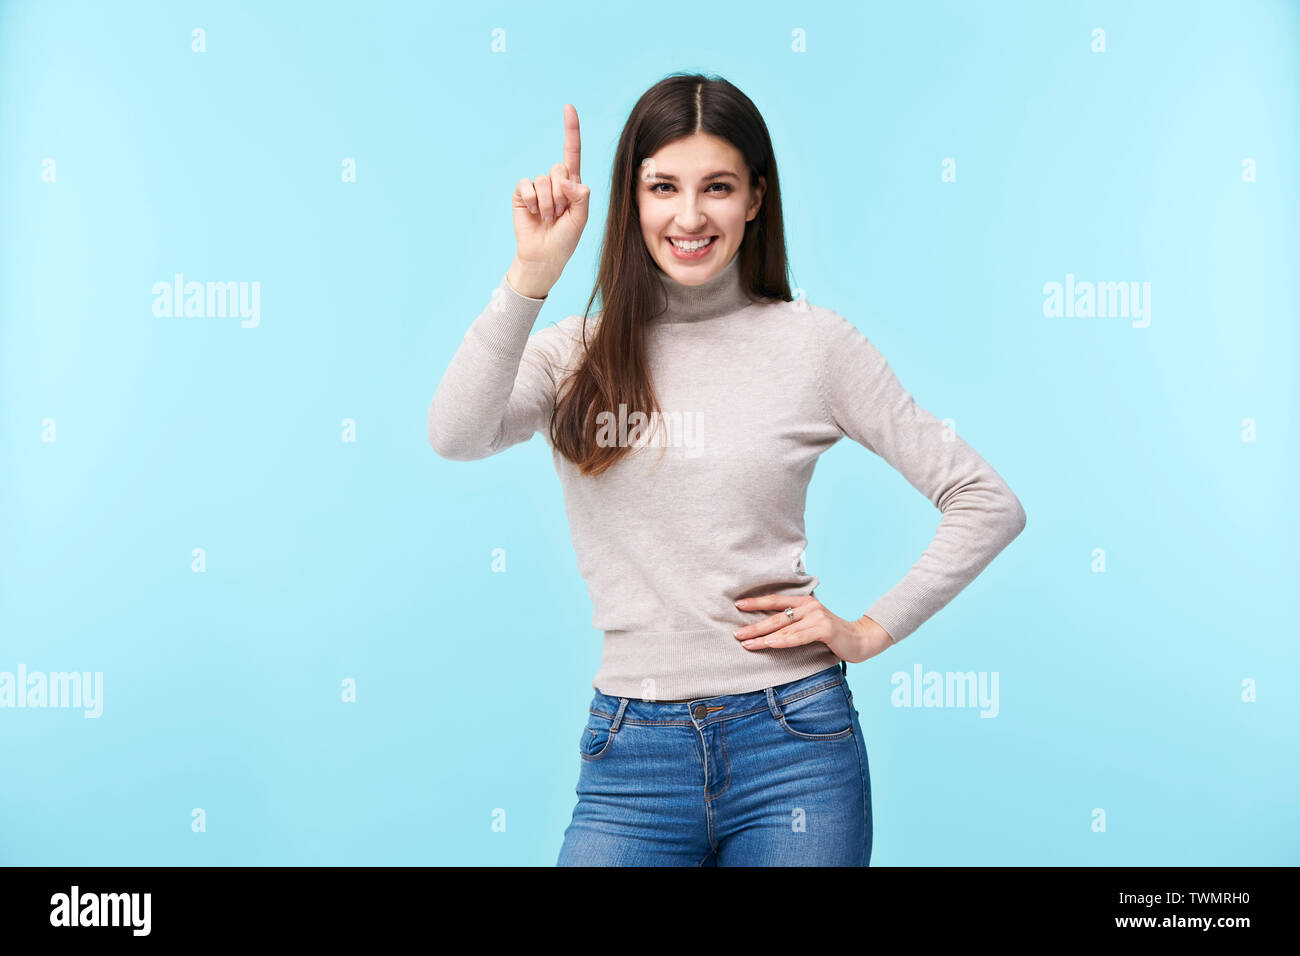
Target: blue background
329	560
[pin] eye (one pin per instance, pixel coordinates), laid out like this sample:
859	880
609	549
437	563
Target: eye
726	187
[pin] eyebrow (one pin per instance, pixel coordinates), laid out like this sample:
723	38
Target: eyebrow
718	175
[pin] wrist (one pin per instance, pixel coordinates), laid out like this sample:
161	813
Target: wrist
875	636
528	280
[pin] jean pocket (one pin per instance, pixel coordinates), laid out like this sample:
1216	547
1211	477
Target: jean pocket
824	714
597	736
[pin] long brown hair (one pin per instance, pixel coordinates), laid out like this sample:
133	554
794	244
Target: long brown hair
613	367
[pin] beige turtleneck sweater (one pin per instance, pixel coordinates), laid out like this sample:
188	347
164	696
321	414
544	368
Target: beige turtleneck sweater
711	508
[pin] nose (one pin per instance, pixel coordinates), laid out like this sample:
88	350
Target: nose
689	216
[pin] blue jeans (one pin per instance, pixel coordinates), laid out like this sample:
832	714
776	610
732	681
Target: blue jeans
773	777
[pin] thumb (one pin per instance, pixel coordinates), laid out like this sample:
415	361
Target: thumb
577	194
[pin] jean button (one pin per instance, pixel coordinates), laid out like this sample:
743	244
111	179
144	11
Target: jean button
700	711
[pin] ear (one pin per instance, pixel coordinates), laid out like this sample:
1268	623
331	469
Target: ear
756	200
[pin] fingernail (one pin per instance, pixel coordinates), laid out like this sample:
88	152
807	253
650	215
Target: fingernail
735	633
740	603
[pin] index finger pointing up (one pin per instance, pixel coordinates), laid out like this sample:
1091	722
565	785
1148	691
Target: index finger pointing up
572	143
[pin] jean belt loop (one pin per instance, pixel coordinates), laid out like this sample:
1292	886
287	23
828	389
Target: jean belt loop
618	717
772	704
844	668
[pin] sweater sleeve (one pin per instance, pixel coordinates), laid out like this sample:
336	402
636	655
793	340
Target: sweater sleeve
980	515
499	389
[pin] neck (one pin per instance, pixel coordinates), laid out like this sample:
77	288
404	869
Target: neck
718	295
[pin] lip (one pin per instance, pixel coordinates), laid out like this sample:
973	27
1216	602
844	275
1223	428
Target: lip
692	256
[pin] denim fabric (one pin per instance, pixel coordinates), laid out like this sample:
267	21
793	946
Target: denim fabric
775	777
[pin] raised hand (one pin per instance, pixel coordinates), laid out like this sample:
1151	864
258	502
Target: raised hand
549	217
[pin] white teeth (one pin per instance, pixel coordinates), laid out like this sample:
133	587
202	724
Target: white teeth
691	246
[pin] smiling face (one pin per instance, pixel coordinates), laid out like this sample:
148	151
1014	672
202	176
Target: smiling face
696	188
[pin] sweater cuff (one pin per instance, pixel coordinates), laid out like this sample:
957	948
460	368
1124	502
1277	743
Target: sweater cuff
506	323
901	611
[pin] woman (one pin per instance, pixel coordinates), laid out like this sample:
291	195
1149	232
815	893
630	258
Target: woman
722	730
